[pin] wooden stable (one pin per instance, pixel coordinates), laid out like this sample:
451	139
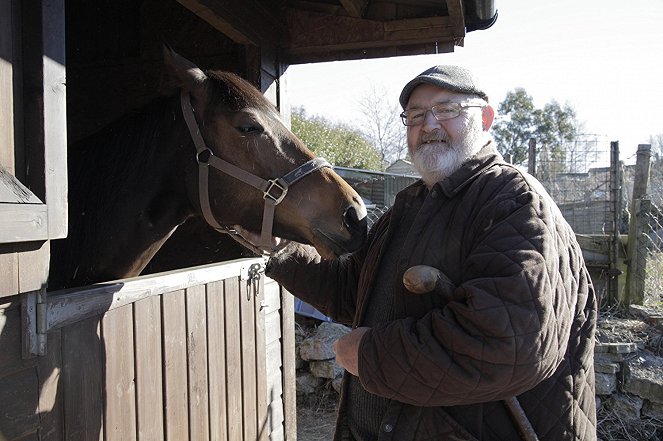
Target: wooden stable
198	353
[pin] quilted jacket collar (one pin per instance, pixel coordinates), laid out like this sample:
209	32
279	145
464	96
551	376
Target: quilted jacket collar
484	159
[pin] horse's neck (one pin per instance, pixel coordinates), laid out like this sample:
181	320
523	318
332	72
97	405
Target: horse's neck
126	203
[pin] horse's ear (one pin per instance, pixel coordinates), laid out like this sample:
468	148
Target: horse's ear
185	73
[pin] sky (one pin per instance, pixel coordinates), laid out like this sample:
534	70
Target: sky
602	57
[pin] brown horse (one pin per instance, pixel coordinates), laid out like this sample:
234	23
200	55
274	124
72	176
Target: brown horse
216	149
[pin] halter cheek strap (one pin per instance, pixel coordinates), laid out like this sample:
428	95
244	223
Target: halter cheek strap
273	190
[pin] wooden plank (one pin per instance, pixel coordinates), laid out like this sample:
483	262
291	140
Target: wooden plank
217	361
23	266
120	404
176	392
10	339
23	222
277	434
263	397
288	359
55	116
248	342
18	400
355	8
273	327
277	417
83	358
6	86
9	270
33	264
51	391
149	379
233	359
71	305
19	388
272	296
196	315
314	33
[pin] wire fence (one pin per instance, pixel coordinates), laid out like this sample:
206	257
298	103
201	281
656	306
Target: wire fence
652	246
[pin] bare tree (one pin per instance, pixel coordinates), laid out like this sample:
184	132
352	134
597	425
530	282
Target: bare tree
382	125
656	142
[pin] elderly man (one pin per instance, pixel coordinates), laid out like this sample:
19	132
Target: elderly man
504	349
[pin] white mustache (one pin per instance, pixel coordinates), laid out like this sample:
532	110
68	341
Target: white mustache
435	137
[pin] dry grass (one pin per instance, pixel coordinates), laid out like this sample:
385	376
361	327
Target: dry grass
316	415
613	428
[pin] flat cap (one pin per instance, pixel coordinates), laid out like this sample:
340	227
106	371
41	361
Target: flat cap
454	78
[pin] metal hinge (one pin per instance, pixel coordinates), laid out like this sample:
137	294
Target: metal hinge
34	324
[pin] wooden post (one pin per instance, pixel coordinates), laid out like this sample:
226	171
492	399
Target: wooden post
636	263
531	157
615	199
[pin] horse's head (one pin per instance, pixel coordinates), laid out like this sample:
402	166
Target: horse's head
255	168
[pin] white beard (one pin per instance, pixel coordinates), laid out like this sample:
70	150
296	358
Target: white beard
438	159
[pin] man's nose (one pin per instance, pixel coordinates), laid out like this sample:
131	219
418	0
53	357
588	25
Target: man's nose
430	122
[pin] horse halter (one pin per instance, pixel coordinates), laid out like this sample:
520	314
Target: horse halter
273	190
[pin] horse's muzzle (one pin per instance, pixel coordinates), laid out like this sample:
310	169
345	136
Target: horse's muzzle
355	220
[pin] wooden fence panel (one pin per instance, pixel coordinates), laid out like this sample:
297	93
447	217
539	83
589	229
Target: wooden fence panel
175	369
216	347
83	358
149	379
234	360
120	405
262	394
248	338
197	363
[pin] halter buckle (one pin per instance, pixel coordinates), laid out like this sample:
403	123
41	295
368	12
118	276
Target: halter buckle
274	183
203	156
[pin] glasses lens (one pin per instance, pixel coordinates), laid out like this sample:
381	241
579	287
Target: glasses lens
446	111
413	117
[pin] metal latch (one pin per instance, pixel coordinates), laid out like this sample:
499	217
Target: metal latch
252	276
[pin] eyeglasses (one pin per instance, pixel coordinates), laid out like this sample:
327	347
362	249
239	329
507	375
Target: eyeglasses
441	112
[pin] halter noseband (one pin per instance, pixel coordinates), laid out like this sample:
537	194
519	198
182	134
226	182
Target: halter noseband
273	190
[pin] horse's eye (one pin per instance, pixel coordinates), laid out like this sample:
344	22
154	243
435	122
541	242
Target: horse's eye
249	128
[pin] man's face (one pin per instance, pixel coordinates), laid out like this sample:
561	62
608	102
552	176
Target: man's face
438	148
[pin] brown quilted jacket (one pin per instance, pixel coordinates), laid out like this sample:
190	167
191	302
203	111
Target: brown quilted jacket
520	322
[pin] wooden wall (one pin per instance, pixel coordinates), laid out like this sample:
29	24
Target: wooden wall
114	56
194	354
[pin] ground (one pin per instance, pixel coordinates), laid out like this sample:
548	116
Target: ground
316	413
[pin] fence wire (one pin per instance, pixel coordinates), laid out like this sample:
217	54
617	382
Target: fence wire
651	246
578	179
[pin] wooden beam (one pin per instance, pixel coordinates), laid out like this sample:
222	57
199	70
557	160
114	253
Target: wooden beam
312	33
457	19
247	22
355	8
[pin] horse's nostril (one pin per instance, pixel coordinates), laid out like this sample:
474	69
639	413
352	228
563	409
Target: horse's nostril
352	221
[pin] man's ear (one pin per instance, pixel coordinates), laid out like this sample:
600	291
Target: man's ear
487	117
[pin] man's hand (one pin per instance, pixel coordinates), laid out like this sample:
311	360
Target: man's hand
347	350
